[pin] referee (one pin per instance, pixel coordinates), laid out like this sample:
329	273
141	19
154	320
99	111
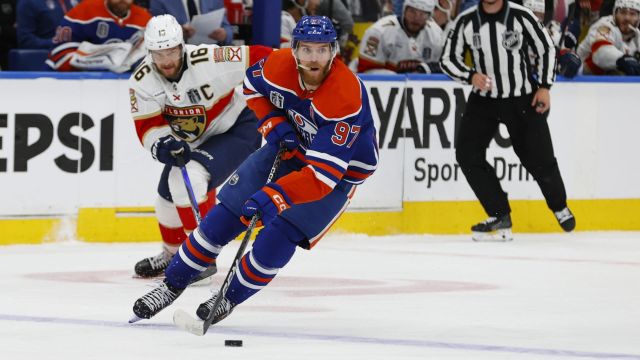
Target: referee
508	90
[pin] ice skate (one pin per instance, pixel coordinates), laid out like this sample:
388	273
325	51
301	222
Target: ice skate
224	309
493	229
153	302
153	266
206	277
566	219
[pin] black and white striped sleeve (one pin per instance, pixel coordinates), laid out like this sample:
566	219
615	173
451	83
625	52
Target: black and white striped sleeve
452	59
543	47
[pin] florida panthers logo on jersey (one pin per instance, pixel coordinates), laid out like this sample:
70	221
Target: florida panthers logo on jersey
307	129
188	123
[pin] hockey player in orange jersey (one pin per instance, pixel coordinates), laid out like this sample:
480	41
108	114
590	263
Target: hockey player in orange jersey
317	109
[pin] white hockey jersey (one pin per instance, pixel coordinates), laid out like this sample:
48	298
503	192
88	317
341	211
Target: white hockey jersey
287	24
205	101
605	44
386	43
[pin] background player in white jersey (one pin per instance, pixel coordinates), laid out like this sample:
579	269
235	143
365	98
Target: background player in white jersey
409	43
613	42
568	61
185	99
292	12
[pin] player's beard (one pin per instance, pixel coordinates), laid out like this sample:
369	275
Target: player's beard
313	78
171	73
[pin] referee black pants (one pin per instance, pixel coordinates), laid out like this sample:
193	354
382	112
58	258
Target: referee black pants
531	141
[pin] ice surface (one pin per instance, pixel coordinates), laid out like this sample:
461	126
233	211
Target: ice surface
352	297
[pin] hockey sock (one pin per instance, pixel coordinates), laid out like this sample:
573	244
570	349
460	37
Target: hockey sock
203	246
172	238
186	213
272	250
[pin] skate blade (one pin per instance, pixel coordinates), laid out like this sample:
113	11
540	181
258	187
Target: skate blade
502	235
187	322
136	276
135	319
203	282
205	277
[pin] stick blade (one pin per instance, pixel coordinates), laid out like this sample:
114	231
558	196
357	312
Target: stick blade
186	322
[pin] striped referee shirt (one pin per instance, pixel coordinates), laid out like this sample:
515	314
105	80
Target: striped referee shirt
499	46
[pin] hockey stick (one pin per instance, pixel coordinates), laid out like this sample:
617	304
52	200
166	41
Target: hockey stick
187	184
211	270
197	327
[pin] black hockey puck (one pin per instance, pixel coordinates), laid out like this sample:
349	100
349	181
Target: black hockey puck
233	343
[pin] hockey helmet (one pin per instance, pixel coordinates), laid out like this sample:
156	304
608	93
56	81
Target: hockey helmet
314	29
537	6
163	32
629	4
422	5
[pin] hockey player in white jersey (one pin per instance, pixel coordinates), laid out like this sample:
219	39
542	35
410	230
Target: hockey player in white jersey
185	99
568	61
613	42
409	43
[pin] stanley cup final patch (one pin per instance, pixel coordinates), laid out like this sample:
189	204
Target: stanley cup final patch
511	40
276	99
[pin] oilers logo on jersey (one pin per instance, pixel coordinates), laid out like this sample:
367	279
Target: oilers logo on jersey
188	123
307	129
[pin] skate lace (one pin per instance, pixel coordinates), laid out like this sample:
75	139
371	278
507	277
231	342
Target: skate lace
159	261
563	215
159	297
223	309
490	220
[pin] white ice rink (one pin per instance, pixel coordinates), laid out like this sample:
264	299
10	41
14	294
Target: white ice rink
552	296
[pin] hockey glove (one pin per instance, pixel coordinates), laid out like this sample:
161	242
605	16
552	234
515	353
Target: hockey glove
628	65
276	129
568	64
267	202
167	147
408	66
430	68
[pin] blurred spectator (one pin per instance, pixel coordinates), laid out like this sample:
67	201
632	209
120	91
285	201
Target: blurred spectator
292	12
341	17
364	10
185	10
7	29
100	35
410	43
142	3
613	42
568	61
37	21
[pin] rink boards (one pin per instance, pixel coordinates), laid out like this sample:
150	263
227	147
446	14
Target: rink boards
70	161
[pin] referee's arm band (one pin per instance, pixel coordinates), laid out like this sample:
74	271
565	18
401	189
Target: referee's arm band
546	86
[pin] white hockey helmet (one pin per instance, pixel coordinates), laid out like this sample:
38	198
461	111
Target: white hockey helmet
537	6
629	4
163	32
422	5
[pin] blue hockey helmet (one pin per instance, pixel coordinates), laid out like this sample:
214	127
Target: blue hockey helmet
314	29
